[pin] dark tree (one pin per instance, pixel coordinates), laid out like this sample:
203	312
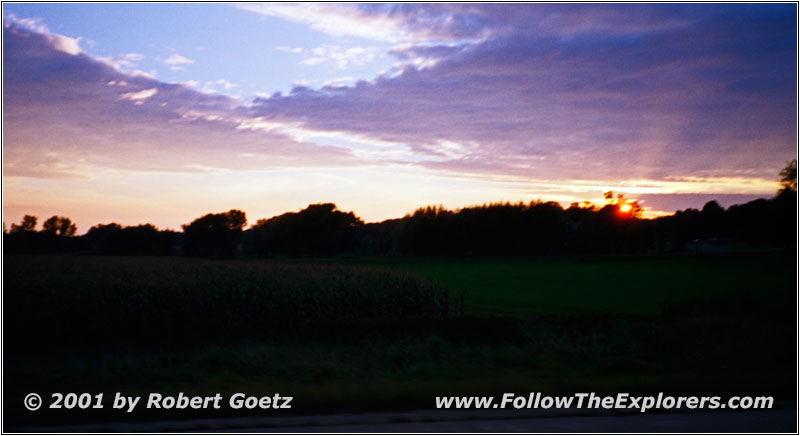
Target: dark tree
54	238
100	236
59	225
318	230
711	221
788	177
28	224
214	234
144	239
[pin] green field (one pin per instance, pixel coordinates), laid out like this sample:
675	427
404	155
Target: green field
639	286
374	334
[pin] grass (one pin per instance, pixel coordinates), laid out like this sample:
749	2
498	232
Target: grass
638	286
717	325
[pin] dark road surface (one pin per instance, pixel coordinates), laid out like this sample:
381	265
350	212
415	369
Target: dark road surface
748	422
759	421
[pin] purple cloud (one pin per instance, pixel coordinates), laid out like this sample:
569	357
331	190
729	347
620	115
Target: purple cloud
607	92
64	111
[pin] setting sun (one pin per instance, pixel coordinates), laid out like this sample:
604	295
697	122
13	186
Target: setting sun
625	208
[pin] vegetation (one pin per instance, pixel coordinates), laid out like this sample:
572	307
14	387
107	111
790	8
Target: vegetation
141	240
630	286
788	177
59	225
320	230
503	229
28	224
214	234
118	303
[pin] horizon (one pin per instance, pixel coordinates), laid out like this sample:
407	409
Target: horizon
251	222
162	113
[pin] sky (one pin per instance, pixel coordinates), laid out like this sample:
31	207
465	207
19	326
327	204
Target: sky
161	113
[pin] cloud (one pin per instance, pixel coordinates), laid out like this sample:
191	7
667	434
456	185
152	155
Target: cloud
615	92
125	61
340	57
140	96
449	23
225	84
285	49
70	116
390	23
338	20
177	62
339	82
211	87
31	24
176	59
58	42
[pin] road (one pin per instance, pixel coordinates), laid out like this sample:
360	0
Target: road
782	420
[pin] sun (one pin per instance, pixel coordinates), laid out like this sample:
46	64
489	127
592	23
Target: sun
625	208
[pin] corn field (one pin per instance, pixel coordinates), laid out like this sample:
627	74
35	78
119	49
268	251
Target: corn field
119	302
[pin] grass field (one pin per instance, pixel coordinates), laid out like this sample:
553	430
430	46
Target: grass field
717	325
639	286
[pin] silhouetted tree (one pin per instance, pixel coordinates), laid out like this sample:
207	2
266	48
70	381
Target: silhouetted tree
214	234
144	239
788	177
24	239
425	232
318	230
28	224
711	221
59	225
501	229
100	236
378	238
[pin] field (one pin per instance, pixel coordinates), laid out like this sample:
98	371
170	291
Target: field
634	286
374	334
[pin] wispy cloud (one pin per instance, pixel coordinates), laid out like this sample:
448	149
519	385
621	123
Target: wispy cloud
176	59
140	96
122	62
338	20
286	49
341	57
177	62
339	81
31	24
213	87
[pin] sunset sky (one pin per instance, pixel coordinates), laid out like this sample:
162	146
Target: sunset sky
160	113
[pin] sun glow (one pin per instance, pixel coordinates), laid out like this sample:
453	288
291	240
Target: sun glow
625	208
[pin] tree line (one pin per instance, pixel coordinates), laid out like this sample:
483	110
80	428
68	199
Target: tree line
499	229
